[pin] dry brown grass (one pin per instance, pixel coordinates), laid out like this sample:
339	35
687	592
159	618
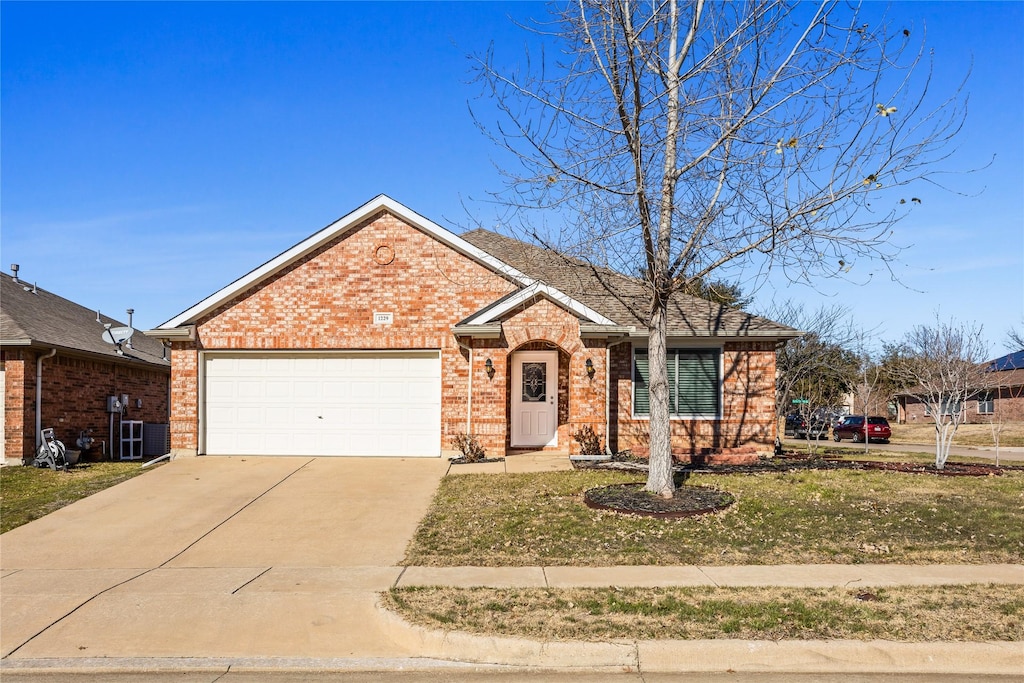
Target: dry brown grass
908	614
1012	434
798	517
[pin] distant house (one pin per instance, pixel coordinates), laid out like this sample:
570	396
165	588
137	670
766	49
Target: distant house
385	334
1001	399
58	372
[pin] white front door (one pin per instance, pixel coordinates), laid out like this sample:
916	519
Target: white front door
534	398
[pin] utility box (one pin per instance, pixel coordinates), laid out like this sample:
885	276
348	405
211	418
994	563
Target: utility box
156	439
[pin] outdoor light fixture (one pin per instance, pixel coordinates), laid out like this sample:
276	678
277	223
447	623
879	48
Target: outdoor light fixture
590	369
489	369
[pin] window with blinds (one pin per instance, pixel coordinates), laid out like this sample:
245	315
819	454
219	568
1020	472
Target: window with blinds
693	380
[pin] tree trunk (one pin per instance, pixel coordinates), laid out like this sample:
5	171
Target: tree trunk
659	476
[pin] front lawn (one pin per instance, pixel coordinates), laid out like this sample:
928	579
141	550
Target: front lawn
902	613
810	516
28	493
1010	434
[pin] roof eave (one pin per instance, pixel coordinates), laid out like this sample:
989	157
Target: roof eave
595	331
492	331
182	333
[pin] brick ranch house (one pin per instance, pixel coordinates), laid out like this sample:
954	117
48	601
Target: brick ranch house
1001	400
385	334
59	372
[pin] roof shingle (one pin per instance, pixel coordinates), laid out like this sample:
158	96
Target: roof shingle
32	316
687	316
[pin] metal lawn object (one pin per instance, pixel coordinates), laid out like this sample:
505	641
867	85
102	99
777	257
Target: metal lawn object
51	453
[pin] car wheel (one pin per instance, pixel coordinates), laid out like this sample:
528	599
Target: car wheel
857	437
837	437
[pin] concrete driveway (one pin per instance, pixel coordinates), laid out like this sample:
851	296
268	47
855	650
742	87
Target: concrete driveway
217	557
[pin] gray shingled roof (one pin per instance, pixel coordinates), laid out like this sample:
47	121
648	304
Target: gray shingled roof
42	319
688	315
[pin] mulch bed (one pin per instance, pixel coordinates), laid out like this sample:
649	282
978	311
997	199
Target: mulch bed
467	461
787	463
687	501
690	501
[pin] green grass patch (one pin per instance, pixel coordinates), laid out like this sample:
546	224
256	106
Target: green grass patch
799	517
28	493
903	613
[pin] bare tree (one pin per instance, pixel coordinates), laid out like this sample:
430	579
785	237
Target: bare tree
869	387
679	139
1015	339
815	369
944	366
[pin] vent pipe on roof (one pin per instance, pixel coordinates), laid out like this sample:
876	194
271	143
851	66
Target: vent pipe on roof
14	269
130	312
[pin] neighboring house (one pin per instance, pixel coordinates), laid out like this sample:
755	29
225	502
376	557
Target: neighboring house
385	334
46	337
1000	400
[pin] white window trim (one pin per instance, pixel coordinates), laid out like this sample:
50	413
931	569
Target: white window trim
689	345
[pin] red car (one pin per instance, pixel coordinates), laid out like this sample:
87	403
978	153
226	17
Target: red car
853	427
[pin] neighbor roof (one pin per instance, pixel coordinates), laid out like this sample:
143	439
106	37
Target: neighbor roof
688	316
33	317
1011	361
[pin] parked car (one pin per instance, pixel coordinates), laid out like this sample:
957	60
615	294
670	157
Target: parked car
797	427
854	427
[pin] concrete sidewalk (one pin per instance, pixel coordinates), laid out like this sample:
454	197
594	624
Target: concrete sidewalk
806	575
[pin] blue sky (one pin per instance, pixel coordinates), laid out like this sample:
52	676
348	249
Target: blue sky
151	153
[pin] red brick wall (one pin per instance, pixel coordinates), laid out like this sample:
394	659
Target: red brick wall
19	404
75	391
327	299
748	405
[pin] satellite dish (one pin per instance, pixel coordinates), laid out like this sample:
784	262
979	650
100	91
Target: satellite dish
117	335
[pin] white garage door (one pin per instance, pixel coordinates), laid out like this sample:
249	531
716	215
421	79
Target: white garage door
386	403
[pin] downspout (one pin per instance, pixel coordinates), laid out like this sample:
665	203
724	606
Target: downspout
39	395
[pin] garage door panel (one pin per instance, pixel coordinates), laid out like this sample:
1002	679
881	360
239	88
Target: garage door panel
334	404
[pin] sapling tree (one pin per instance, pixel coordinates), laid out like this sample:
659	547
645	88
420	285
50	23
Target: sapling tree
943	364
702	141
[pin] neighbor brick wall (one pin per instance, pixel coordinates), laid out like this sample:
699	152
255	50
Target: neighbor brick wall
748	405
19	404
1008	407
75	390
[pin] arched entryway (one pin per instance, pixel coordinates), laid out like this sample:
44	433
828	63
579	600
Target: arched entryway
538	392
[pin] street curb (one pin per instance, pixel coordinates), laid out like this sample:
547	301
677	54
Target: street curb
708	656
148	665
508	651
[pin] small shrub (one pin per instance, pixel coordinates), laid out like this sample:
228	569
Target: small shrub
590	443
469	446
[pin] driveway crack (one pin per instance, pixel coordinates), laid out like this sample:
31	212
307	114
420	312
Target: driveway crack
235	513
78	607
